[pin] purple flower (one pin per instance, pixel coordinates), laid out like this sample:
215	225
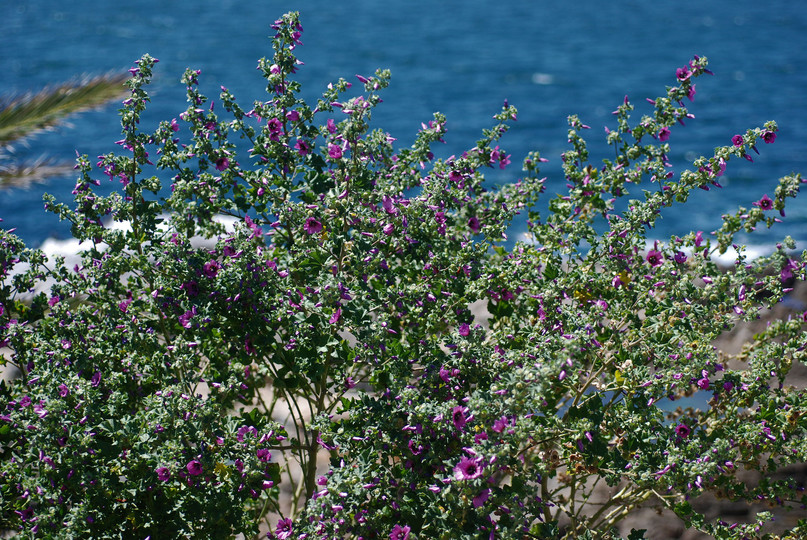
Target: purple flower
185	318
389	205
703	383
480	499
335	317
737	140
334	151
264	454
787	270
63	390
769	137
765	203
194	468
680	257
312	226
163	474
303	147
664	134
464	329
284	529
222	163
292	116
654	257
474	225
331	126
682	431
211	269
500	424
274	126
458	417
683	73
400	533
468	468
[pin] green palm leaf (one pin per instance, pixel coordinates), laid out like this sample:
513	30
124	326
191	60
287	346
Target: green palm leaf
24	116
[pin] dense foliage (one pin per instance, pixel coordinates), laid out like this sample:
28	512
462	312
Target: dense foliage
305	289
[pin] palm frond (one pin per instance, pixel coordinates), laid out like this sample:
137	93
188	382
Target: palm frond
23	116
16	175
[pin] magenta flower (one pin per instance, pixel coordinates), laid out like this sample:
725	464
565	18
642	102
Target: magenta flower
303	147
664	134
654	257
769	137
63	390
458	417
389	205
331	126
163	474
194	468
500	424
464	329
719	168
765	203
312	226
274	126
292	116
680	257
480	499
211	269
737	140
468	468
400	533
334	151
284	529
222	163
683	73
682	431
474	225
335	316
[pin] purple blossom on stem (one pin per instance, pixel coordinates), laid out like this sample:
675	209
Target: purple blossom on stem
194	468
480	499
334	151
654	257
737	140
765	203
468	468
312	226
303	147
222	163
284	529
664	134
769	137
682	431
400	533
458	417
163	474
474	225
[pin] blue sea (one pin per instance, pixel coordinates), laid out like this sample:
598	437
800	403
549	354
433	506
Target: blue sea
549	59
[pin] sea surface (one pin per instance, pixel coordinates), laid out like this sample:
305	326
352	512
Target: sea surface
462	58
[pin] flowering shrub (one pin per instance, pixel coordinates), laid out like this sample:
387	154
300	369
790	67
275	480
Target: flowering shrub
171	387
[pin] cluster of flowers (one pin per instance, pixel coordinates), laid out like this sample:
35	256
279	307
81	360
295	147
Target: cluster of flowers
154	375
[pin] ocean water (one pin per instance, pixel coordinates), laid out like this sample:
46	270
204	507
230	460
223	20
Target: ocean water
549	59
